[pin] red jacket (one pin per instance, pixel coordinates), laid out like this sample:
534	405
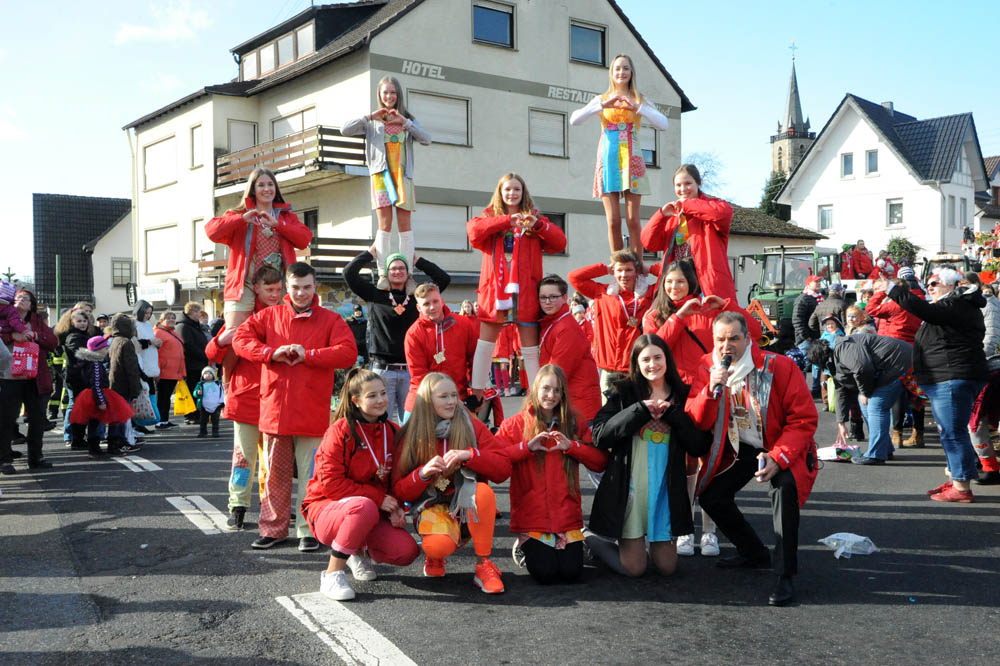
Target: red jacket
894	321
422	342
686	351
708	221
790	422
562	342
46	341
540	498
613	337
231	229
505	342
846	266
862	262
487	461
486	235
295	399
243	392
588	330
344	466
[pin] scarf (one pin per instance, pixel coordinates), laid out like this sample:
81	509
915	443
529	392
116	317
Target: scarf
815	294
463	501
740	368
736	384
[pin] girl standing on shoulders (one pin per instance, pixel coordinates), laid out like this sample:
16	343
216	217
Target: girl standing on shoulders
348	504
621	169
547	442
696	226
442	455
389	132
512	236
643	495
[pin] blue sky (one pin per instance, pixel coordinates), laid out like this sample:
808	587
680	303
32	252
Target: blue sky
93	67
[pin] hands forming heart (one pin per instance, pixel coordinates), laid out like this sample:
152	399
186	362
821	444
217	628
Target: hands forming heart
619	102
290	354
706	305
657	408
551	440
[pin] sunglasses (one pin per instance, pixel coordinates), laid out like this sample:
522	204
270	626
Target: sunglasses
933	284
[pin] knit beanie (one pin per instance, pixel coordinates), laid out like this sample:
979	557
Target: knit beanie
396	256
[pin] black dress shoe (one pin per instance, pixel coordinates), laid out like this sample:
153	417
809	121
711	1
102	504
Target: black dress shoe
740	562
988	479
783	593
40	464
15	454
865	460
143	429
7	468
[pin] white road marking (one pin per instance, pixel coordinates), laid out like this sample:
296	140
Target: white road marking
206	508
191	512
145	464
352	639
128	463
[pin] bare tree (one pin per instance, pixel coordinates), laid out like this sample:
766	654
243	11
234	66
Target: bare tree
710	166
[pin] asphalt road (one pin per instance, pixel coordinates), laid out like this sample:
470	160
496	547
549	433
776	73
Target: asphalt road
97	567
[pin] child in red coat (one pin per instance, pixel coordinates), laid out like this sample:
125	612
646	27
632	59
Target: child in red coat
512	236
546	442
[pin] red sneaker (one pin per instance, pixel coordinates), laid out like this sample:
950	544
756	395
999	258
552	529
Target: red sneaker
944	486
953	494
488	577
434	568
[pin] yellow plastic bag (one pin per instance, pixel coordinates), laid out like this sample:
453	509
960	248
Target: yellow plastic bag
183	400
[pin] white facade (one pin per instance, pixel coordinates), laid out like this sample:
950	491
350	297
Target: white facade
113	267
986	222
501	89
882	204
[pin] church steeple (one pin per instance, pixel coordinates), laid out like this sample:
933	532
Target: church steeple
793	139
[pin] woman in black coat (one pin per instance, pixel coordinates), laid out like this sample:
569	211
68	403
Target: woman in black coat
191	334
643	494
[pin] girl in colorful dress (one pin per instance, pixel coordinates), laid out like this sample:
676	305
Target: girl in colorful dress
621	168
96	401
546	442
389	132
695	226
643	495
512	236
348	504
442	456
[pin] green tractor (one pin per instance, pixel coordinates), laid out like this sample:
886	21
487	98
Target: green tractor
783	273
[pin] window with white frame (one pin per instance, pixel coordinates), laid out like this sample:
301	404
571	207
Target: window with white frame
305	40
161	250
310	218
203	248
249	69
963	212
295	122
847	165
648	138
894	212
871	161
121	271
283	51
242	135
159	162
446	118
825	218
951	211
267	59
493	23
586	43
286	49
559	220
442	227
197	152
546	133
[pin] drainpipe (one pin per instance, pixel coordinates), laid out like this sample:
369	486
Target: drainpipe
135	211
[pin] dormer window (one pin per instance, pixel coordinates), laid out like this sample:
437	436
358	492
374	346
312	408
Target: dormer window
280	52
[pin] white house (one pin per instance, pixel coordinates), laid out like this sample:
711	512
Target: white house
111	260
494	83
988	203
876	173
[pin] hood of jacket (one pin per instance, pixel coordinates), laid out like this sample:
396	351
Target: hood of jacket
84	354
209	369
122	325
141	305
972	294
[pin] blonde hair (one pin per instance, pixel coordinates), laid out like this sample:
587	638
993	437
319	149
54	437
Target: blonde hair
65	323
632	90
400	102
417	439
190	306
496	202
248	191
562	414
425	289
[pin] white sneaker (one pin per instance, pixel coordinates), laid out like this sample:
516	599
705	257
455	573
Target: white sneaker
685	545
518	555
709	544
334	586
361	567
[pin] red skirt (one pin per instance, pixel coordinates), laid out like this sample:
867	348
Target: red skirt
85	408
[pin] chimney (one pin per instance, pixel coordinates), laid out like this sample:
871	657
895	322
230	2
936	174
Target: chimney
888	107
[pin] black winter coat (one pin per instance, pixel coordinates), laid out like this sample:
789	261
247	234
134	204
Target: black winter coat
621	417
802	310
831	305
949	344
193	337
865	362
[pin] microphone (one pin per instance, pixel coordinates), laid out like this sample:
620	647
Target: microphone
727	361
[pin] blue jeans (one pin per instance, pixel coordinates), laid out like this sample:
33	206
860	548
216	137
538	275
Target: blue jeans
878	416
95	429
397	385
815	369
951	405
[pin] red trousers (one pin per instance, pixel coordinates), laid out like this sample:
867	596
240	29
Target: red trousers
353	523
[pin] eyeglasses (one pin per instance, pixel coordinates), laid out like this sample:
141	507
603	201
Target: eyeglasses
549	299
933	284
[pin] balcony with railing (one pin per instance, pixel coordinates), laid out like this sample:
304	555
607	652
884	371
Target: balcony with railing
792	134
327	255
320	153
